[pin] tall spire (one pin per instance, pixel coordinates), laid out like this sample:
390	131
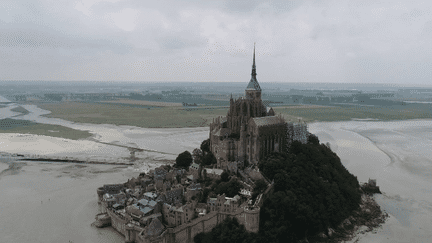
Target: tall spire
253	65
253	83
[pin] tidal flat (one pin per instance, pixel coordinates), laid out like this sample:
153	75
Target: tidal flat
396	153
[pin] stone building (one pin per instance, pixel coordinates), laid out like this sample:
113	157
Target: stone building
223	204
251	131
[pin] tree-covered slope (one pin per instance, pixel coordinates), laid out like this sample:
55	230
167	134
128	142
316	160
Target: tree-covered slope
312	192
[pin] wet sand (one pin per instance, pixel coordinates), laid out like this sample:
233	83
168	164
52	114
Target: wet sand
387	151
397	154
52	202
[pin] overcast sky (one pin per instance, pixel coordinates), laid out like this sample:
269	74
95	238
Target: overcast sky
353	41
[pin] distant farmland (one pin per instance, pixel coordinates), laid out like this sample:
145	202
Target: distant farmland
133	115
175	116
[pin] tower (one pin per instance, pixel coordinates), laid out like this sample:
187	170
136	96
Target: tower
253	90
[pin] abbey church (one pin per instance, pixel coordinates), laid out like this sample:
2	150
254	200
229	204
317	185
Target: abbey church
251	130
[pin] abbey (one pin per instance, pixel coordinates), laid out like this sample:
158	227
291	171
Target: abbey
251	130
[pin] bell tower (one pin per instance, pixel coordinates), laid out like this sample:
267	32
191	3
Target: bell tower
253	90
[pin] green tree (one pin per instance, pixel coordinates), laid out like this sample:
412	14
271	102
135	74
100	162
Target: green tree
230	188
204	174
313	139
225	176
230	230
205	146
209	159
198	156
260	186
184	159
312	191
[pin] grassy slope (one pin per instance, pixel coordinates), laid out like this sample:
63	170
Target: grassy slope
170	117
23	126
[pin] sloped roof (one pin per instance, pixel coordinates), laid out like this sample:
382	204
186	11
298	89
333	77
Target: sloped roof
214	171
143	202
222	132
194	166
196	186
150	194
173	193
152	203
134	210
146	210
178	209
253	84
155	228
267	120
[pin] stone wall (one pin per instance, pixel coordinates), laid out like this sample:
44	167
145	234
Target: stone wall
185	233
118	222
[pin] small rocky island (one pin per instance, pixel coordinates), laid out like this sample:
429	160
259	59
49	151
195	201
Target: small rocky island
303	196
258	178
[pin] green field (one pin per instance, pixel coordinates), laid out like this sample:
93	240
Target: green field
133	115
23	126
21	110
173	117
348	112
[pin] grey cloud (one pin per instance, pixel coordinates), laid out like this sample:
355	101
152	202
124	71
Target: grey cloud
36	38
250	5
180	41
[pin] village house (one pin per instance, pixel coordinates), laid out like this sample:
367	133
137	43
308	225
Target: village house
194	169
223	204
214	173
178	215
192	190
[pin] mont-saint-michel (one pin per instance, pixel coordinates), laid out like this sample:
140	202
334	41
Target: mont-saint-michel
227	181
138	121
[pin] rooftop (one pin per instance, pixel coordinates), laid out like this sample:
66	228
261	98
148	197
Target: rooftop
253	84
155	228
150	195
267	120
214	171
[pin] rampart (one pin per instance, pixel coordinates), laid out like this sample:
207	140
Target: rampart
118	222
185	232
